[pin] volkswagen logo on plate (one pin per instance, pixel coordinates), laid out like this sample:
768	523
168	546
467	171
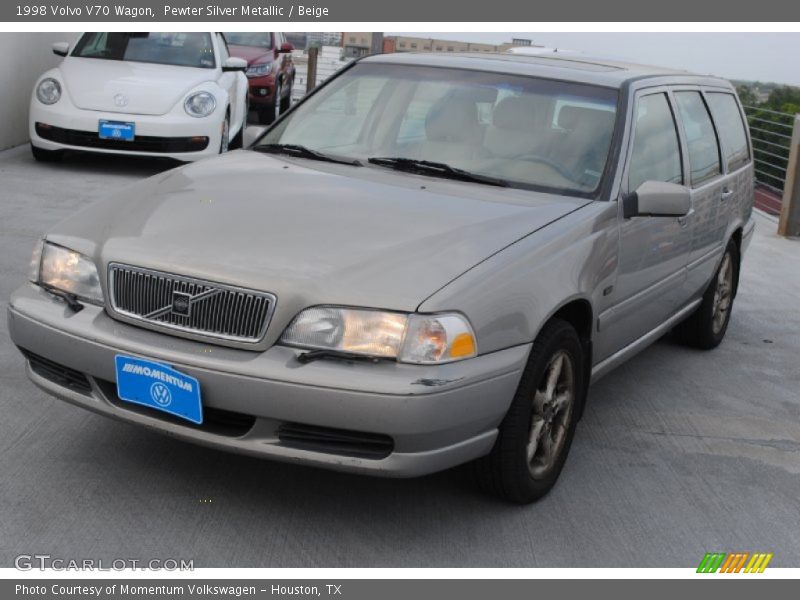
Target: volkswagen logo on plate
160	394
121	100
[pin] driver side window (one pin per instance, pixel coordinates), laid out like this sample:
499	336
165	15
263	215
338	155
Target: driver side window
656	153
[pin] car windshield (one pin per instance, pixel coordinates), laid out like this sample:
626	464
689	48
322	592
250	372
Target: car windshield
256	40
526	132
179	49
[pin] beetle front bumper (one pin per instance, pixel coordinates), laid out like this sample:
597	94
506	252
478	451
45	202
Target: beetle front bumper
435	417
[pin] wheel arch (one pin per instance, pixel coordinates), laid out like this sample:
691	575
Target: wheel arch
579	313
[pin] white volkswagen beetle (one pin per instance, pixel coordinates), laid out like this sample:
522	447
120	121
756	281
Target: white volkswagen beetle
178	95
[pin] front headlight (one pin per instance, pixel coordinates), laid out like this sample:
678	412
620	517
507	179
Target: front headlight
261	69
200	104
410	338
48	91
68	271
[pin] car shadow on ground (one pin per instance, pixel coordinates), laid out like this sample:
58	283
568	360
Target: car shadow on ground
113	164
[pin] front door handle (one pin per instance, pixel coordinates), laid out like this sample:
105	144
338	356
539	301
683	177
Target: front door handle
726	193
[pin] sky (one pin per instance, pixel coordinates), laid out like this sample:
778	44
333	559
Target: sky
764	57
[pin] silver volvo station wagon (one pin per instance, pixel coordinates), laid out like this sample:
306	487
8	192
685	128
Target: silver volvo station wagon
425	262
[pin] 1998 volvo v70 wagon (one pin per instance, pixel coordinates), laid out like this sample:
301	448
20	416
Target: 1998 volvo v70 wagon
424	263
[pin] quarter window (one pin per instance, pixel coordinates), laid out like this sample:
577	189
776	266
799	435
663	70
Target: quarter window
656	152
731	127
701	139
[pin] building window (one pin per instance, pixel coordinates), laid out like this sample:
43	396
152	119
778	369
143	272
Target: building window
449	48
414	46
438	48
402	44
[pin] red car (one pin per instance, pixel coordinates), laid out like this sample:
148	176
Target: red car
270	71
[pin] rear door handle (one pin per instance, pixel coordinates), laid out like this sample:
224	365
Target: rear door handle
726	193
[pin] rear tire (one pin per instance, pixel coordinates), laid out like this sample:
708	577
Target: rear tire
706	328
536	433
42	155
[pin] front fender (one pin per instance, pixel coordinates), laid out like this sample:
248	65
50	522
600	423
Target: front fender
511	295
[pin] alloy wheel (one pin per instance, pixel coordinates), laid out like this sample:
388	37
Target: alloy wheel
553	403
723	294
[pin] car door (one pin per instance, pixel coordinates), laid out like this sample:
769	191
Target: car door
709	185
730	122
653	250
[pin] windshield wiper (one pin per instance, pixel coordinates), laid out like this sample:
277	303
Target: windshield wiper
429	167
304	152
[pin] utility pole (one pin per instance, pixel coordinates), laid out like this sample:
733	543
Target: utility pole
789	223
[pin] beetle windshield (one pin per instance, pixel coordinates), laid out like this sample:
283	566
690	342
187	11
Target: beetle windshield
528	132
178	49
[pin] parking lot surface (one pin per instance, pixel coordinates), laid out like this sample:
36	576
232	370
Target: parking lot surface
680	452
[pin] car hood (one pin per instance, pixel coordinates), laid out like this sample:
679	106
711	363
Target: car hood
252	54
307	231
148	89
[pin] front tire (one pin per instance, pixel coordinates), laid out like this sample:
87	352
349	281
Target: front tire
42	155
536	433
706	328
286	102
224	142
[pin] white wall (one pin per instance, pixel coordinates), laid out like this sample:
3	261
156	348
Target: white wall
23	57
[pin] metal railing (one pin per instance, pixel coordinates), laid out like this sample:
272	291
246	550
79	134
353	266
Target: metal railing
771	132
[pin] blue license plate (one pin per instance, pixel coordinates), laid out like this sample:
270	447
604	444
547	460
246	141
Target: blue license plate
159	386
116	130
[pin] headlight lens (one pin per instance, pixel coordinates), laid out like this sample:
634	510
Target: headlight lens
48	91
36	262
200	104
414	338
69	271
260	70
437	338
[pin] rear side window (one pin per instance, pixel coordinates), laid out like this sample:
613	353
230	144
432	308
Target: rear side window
701	138
656	151
731	128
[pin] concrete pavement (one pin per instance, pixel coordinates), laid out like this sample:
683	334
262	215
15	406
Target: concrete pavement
680	452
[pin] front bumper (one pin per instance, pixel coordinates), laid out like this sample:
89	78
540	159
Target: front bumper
436	416
261	90
151	127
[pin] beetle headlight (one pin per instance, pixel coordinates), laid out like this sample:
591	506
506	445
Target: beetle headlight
67	271
200	104
410	338
48	91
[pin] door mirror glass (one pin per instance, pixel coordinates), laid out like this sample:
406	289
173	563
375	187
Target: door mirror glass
61	48
657	199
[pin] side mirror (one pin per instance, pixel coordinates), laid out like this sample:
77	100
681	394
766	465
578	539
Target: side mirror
657	199
61	48
235	64
286	48
251	134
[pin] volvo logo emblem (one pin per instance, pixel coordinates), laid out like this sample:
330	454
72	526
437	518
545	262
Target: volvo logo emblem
160	394
121	100
181	304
